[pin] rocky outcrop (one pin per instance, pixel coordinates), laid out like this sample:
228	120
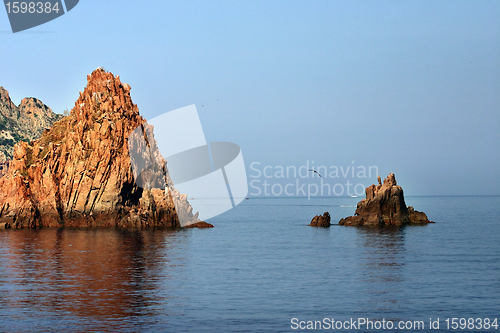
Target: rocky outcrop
4	163
385	205
24	122
321	221
200	225
79	173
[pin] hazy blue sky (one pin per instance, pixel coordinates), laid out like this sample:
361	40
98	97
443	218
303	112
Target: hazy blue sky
408	86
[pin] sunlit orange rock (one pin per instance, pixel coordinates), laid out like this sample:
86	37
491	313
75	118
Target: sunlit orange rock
79	173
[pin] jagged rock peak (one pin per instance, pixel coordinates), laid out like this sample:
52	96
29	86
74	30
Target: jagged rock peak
321	221
5	99
391	179
104	93
384	205
79	172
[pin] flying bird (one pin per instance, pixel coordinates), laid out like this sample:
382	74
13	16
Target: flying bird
315	171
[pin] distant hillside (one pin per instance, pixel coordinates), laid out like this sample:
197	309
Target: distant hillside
25	122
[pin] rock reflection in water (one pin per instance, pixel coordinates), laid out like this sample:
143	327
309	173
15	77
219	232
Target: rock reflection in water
91	274
383	260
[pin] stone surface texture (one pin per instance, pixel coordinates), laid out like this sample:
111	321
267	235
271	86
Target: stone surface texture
385	205
79	173
321	220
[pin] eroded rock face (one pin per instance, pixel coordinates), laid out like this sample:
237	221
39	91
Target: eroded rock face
78	173
4	163
384	205
321	221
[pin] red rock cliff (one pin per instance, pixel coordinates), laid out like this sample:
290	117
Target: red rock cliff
79	172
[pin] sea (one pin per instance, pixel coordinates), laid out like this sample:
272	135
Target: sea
262	269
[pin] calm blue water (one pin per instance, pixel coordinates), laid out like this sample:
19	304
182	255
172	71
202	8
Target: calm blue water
257	269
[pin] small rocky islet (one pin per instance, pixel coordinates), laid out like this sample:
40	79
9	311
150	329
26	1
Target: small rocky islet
321	220
78	173
384	205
